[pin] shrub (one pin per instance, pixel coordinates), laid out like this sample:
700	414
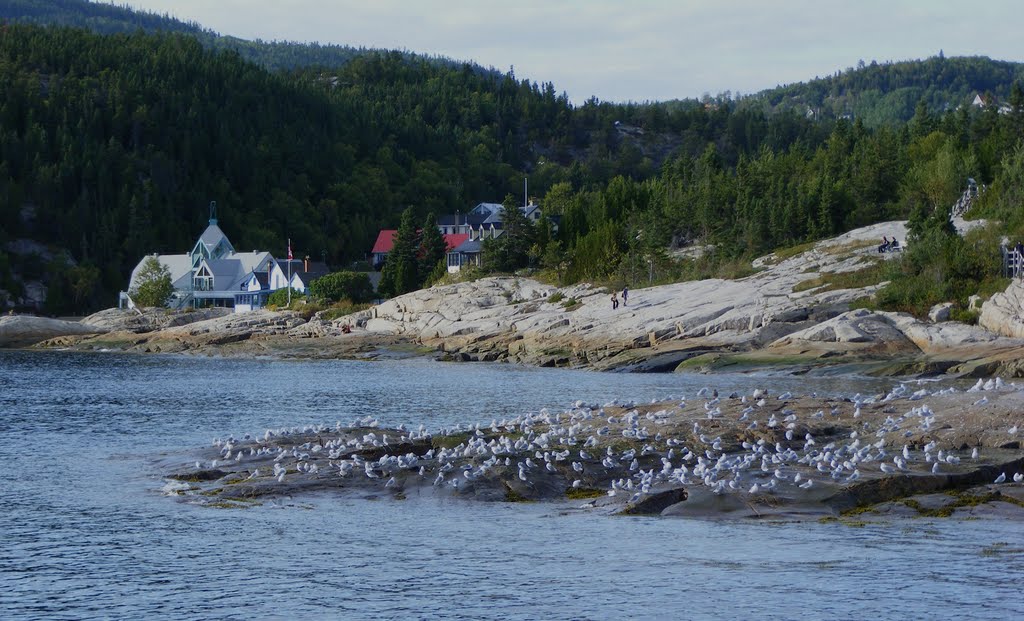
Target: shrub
354	286
279	298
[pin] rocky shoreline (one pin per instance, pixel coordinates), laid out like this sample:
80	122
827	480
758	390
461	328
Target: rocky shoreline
760	455
781	316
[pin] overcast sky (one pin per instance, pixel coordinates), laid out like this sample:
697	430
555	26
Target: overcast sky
638	50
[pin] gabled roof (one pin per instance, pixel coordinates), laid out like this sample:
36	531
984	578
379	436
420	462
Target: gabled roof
178	265
386	240
316	270
470	246
453	240
227	273
486	208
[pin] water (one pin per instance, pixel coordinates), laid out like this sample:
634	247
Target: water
86	533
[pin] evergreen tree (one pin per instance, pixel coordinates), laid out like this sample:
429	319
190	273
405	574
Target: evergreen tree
432	250
511	250
400	268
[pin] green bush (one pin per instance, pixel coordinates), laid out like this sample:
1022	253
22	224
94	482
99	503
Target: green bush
556	297
354	286
279	298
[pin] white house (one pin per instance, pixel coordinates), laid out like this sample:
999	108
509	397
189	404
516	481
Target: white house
213	274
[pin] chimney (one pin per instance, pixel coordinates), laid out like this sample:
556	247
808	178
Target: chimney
305	264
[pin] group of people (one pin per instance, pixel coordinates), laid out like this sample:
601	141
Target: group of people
615	298
889	245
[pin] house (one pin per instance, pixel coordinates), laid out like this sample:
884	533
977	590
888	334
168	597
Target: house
386	241
304	272
485	221
463	233
213	274
467	254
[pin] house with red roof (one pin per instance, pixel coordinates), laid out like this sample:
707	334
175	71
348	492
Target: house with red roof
386	241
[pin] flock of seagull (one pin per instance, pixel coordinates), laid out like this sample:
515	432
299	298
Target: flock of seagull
623	448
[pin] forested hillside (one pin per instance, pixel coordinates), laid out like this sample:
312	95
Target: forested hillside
113	145
888	93
105	18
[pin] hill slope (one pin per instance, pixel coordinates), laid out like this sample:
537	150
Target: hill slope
887	93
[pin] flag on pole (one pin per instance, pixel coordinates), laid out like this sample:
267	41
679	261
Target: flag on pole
289	249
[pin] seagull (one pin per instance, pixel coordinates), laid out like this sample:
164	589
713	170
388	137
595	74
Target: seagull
974	453
1017	478
1001	478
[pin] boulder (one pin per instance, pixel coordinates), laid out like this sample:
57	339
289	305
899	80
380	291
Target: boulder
940	312
1003	313
25	330
654	504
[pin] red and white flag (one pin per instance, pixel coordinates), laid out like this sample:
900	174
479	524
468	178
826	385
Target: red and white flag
289	249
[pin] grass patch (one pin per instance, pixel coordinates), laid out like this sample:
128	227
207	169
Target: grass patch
341	309
872	274
960	501
556	297
788	253
583	493
851	247
570	304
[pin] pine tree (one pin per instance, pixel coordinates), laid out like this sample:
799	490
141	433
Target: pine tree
432	249
400	268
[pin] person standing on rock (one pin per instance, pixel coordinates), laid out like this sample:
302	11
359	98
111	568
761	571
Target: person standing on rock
615	301
625	295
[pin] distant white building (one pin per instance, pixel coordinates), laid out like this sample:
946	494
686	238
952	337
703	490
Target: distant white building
214	275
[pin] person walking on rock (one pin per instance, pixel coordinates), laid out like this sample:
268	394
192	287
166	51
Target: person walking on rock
625	295
615	301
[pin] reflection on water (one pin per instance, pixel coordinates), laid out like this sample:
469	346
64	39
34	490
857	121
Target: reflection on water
88	535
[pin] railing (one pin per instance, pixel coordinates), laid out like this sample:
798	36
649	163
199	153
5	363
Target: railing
1013	262
963	205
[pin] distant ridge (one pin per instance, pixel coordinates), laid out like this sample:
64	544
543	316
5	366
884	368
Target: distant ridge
887	93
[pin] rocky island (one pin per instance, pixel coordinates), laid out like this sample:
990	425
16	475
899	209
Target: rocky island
908	452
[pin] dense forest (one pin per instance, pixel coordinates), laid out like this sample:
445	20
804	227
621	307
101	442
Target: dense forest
113	145
105	18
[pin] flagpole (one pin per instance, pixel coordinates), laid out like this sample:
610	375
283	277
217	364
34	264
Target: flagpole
289	272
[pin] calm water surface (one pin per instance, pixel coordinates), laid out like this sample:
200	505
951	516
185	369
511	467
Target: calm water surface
87	533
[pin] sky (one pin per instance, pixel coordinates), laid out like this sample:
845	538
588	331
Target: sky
640	50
